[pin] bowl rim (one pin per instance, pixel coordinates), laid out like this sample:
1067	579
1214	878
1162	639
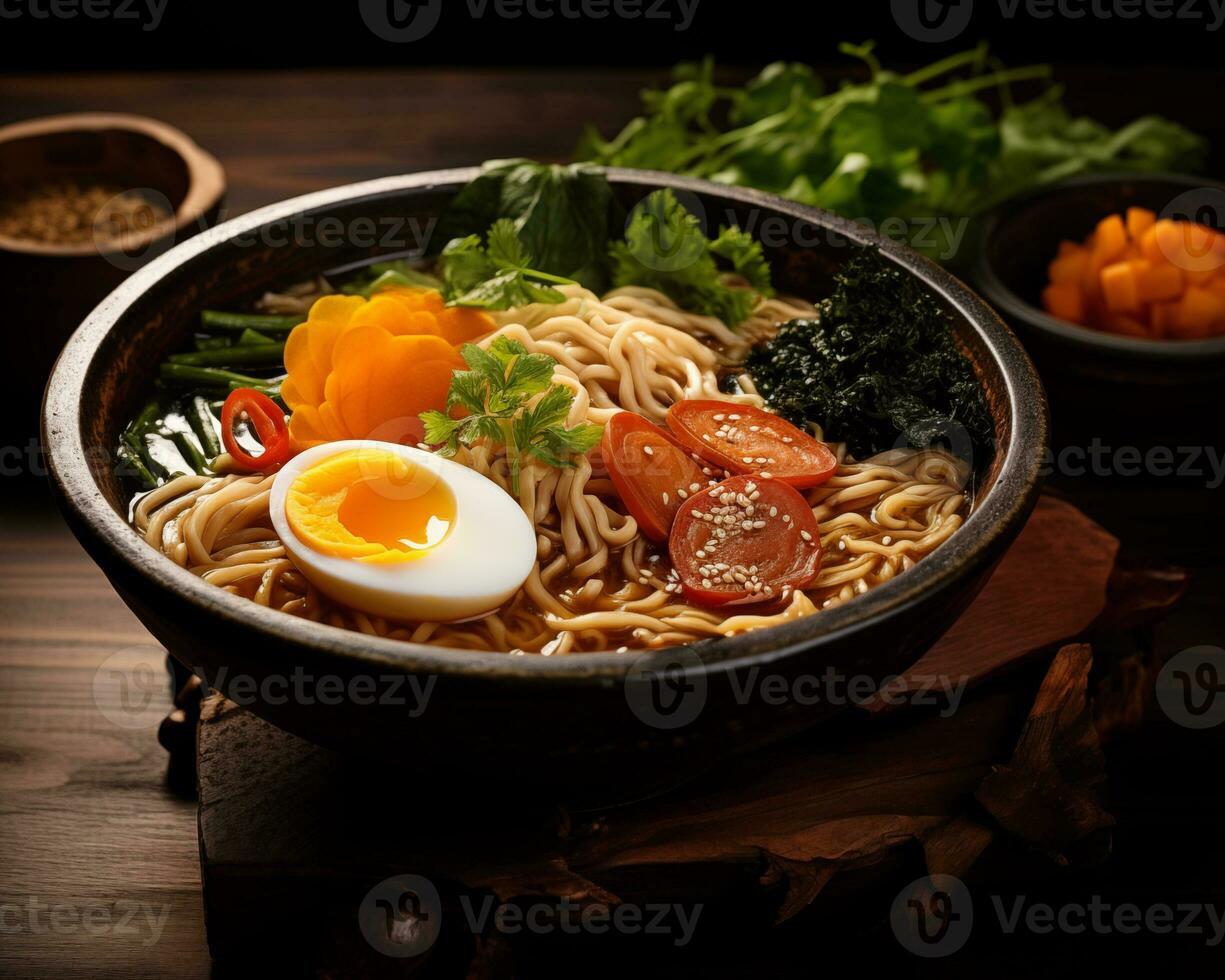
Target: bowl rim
1003	298
1003	508
206	178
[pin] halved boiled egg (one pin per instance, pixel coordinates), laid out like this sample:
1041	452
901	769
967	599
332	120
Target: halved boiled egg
400	532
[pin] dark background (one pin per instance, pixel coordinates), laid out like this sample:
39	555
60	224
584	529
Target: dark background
248	34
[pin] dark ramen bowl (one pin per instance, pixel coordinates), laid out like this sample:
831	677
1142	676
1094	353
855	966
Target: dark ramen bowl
602	725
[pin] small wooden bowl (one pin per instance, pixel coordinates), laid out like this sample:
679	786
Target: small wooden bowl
62	282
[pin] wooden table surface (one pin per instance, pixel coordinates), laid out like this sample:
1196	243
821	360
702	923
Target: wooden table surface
98	858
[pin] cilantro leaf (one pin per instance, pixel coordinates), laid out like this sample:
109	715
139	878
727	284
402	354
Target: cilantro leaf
665	249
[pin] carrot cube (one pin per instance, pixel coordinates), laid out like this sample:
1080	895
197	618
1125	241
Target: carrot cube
1120	289
1069	267
1126	325
1065	301
1199	313
1109	238
1138	221
1162	318
1157	282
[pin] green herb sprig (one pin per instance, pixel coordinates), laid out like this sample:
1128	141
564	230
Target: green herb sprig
496	275
496	390
666	249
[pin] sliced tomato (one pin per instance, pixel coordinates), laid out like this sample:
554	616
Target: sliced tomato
747	539
742	439
651	471
266	418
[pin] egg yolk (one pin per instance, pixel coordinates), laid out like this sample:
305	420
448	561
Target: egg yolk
370	505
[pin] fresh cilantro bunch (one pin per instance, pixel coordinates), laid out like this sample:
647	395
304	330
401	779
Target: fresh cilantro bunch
496	275
666	249
917	144
496	391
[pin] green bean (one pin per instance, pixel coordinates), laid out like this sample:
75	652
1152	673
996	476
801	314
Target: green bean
189	451
256	355
200	417
148	415
139	445
190	374
211	343
251	337
221	320
130	458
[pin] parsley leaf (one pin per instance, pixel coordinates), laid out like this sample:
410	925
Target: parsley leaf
497	391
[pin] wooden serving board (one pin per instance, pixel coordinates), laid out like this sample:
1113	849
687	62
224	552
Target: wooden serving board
294	837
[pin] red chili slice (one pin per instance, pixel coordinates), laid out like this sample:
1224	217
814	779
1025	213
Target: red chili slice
268	421
742	439
747	539
651	472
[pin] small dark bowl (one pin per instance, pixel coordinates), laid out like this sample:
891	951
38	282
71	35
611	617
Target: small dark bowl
1100	385
572	724
62	282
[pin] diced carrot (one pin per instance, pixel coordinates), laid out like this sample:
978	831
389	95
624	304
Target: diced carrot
1066	247
1110	238
1120	288
1127	325
1069	267
1149	247
1199	313
1161	319
1138	221
1216	286
1195	249
1156	282
1065	301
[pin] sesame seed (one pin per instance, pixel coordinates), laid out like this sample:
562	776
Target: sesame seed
681	494
648	450
805	535
774	512
786	518
665	496
734	418
764	475
754	428
886	540
720	417
748	459
700	553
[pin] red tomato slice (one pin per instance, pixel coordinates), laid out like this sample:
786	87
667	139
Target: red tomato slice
651	472
747	539
742	439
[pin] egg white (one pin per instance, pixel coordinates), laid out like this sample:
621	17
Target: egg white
481	563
